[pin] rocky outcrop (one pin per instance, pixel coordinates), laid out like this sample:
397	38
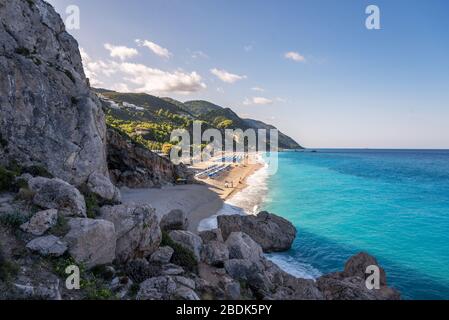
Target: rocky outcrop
174	220
137	230
134	166
58	194
48	115
271	232
162	255
241	246
215	253
91	242
103	187
351	283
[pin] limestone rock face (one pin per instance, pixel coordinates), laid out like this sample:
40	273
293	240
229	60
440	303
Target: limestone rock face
137	228
241	246
215	253
136	167
103	187
48	115
271	232
162	255
90	241
58	194
41	222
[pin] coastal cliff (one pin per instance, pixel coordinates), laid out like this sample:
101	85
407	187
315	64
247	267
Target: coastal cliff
58	207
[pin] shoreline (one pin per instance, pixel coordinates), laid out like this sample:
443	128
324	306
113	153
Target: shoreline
200	201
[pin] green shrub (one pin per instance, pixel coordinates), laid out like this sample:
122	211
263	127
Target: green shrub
181	256
61	228
13	220
93	203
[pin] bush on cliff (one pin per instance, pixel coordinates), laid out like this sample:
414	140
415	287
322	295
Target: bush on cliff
7	268
181	256
7	178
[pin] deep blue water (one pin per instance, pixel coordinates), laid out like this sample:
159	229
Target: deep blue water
393	204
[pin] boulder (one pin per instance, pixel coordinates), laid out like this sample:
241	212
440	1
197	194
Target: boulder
215	253
172	270
242	246
211	235
50	246
137	229
103	187
185	293
45	286
189	241
92	242
271	232
40	222
162	255
174	220
140	270
351	283
58	194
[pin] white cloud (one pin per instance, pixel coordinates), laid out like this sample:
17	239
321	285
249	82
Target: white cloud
248	48
257	101
225	76
135	77
153	80
155	48
295	56
258	89
120	52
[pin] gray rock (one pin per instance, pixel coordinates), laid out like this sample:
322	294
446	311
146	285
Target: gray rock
45	288
103	187
185	293
232	290
189	241
162	255
140	270
242	246
121	286
58	194
48	246
351	283
40	222
186	282
137	229
174	220
172	270
211	235
49	117
271	232
214	253
92	242
158	288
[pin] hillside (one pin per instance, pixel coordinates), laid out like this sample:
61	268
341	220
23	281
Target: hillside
150	120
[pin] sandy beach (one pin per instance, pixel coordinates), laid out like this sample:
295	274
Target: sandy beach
199	201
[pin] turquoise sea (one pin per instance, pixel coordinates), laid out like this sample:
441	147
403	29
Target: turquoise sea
393	204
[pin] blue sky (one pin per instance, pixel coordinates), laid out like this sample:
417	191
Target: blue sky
342	85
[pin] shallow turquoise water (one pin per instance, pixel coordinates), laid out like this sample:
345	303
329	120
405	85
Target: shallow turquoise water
392	204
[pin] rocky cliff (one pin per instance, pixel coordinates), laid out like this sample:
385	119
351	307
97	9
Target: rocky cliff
48	115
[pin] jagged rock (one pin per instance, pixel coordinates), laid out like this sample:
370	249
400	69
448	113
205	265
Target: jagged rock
271	232
103	187
351	283
48	115
137	228
92	242
174	220
214	253
211	235
162	255
48	246
58	194
41	222
121	286
186	282
188	240
133	166
158	288
242	246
